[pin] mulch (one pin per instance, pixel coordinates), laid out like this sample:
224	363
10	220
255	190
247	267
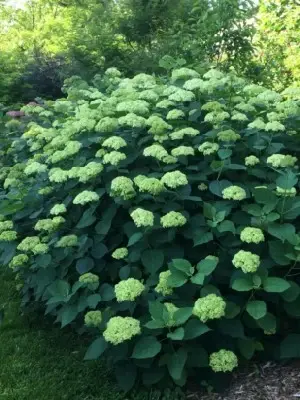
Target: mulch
269	381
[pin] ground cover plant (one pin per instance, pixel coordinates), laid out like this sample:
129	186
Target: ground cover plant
161	216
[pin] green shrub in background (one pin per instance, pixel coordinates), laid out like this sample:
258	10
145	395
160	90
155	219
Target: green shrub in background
162	217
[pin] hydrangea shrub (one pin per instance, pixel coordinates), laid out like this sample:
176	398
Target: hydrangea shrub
162	217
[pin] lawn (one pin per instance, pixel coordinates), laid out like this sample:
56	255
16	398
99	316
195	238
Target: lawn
42	362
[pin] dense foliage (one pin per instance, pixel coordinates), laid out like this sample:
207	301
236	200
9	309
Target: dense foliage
161	216
48	41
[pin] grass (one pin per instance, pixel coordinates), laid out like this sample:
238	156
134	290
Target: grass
39	362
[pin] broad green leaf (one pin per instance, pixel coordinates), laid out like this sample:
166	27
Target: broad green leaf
183	266
93	300
232	310
96	349
226	226
194	328
287	180
209	211
84	265
59	288
231	327
156	310
292	292
264	196
153	376
146	347
257	309
126	373
293	308
207	266
277	252
152	260
87	219
242	285
290	346
267	323
198	278
176	363
275	285
202	238
155	324
224	153
283	232
99	250
247	347
107	292
43	260
68	315
216	187
290	209
182	315
253	209
178	334
135	238
177	279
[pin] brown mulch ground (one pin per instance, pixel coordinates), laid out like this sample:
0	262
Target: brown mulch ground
265	382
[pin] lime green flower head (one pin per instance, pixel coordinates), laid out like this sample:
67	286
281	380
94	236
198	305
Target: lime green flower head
100	153
228	136
35	168
142	218
273	116
48	225
223	361
252	235
28	243
251	161
213	106
178	135
173	219
171	308
114	142
85	197
120	253
107	125
174	179
286	192
164	104
114	157
58	209
132	120
89	280
245	107
90	171
149	185
72	148
148	95
58	175
281	160
128	290
67	241
202	187
6	226
122	187
156	150
258	124
175	114
209	307
121	329
193	84
238	116
234	193
247	261
158	125
19	261
182	95
183	73
8	236
163	287
208	148
274	126
93	319
183	151
216	117
139	107
40	248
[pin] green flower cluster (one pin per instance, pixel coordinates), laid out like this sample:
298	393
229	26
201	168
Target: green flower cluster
163	287
34	245
19	261
181	133
93	319
281	160
183	151
58	209
156	151
120	254
173	219
228	136
121	329
274	126
48	224
175	114
107	125
209	307
122	187
234	193
149	185
89	280
114	142
174	179
8	236
286	192
6	226
85	197
223	361
251	161
208	148
114	158
258	124
128	290
171	308
142	218
252	235
247	261
67	241
35	168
